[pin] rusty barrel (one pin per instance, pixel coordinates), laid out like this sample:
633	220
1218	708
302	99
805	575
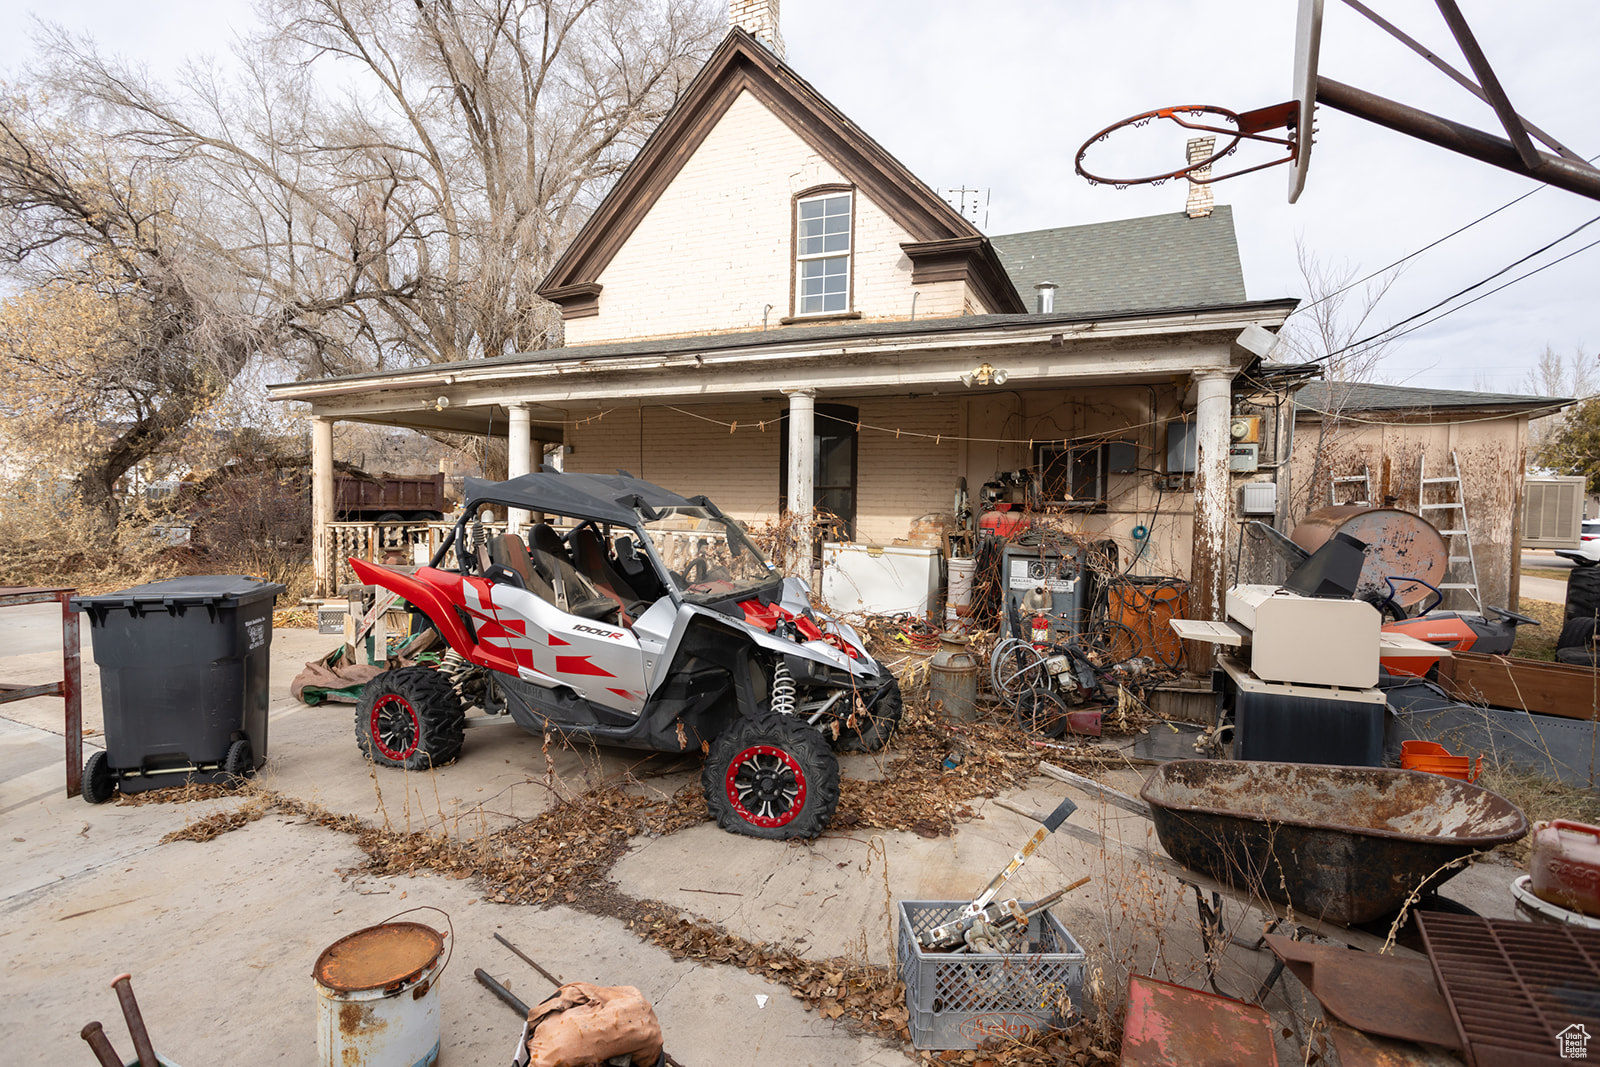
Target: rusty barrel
377	997
1400	544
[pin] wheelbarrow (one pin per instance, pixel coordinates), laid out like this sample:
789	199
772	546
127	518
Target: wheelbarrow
1327	847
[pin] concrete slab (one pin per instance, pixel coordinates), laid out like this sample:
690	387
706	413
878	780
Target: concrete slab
221	936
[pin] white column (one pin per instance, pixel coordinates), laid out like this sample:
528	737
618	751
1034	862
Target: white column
322	504
1212	499
519	458
801	485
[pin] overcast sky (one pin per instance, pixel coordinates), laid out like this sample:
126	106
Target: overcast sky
999	96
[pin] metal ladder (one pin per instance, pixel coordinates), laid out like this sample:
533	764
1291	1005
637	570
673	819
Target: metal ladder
1461	569
1362	481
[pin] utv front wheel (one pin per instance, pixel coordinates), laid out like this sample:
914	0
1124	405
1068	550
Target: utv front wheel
410	717
867	728
774	778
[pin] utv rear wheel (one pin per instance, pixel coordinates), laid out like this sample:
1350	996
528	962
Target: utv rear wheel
774	778
868	728
410	717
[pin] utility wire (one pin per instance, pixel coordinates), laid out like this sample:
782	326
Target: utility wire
1433	244
1435	307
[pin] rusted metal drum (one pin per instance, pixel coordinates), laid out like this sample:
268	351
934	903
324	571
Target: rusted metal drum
1400	544
377	997
953	679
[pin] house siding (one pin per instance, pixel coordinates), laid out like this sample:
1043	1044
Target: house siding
901	478
715	249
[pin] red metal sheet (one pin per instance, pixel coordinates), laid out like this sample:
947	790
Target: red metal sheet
1172	1024
1375	994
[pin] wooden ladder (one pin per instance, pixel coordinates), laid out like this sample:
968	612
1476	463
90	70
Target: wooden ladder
1448	512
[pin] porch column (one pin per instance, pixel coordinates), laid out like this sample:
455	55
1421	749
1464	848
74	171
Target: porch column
1208	575
519	457
802	492
322	562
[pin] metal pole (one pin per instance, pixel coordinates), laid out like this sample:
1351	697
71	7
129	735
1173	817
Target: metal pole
1496	151
72	692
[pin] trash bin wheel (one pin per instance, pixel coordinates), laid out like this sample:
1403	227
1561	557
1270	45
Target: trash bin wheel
239	762
98	782
410	717
773	777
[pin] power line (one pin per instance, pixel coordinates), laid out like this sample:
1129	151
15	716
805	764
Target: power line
1482	281
1432	244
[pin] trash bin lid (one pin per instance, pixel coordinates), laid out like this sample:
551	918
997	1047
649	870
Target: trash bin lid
200	590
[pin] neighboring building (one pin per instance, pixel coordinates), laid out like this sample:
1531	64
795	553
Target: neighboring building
766	280
1360	441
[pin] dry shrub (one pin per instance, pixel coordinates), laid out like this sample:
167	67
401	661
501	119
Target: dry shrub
257	523
48	537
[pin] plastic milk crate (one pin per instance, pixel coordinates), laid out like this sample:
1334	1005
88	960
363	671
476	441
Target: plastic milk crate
960	1000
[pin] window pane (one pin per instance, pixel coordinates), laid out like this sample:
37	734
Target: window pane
811	209
834	456
811	287
836	224
836	242
814	268
812	305
837	205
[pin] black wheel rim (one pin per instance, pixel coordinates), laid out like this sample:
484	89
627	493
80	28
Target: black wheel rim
394	727
766	786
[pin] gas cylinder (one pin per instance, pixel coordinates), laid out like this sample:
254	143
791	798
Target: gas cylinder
953	684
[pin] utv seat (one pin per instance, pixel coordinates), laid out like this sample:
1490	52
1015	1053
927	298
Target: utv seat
508	551
573	592
589	554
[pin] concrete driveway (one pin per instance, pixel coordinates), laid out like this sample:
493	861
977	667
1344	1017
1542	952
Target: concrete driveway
221	936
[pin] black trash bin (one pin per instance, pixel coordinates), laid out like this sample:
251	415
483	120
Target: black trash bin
183	681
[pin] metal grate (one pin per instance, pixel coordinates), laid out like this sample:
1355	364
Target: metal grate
1518	991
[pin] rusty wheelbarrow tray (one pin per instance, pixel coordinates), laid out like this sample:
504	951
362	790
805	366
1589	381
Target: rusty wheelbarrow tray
1345	845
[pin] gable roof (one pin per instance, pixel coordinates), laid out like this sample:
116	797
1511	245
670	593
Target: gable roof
944	244
1153	262
1319	397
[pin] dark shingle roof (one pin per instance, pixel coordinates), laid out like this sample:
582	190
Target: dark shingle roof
1370	396
1160	261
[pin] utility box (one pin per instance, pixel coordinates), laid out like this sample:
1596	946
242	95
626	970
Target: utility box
183	677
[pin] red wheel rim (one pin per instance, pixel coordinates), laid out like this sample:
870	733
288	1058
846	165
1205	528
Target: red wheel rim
765	786
394	727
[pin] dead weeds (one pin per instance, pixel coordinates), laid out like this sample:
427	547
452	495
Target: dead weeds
1541	800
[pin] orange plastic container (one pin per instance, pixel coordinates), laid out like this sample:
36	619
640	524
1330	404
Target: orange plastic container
1434	758
1565	865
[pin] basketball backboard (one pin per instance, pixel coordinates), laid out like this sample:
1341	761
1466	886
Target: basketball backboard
1307	44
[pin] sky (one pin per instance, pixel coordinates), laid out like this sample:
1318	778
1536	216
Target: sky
998	98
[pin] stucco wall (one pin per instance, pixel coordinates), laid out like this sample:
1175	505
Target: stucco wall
1493	458
715	249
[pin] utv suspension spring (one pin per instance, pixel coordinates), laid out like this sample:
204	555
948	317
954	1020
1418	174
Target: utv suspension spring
782	690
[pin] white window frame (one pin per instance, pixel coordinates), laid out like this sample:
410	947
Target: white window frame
846	254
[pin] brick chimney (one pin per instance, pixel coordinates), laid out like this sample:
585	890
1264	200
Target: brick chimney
1200	198
758	18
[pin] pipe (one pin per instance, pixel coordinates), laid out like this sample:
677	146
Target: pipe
123	984
498	990
1495	151
764	317
552	979
95	1034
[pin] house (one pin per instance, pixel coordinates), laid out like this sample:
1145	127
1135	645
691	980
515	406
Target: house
768	308
1358	441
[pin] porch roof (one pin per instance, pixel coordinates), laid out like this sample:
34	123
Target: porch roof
1316	398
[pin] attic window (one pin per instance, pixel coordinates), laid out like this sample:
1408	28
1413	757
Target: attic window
822	254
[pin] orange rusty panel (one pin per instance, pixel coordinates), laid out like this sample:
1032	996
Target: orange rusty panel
378	957
1172	1024
1144	606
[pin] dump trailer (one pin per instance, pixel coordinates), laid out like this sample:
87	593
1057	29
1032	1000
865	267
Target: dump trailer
389	499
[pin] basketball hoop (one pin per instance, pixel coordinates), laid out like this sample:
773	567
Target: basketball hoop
1248	126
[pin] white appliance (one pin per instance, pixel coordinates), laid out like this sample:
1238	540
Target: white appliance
880	580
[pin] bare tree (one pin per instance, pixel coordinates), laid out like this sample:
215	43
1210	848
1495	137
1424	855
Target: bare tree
1333	328
409	218
1574	377
126	323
